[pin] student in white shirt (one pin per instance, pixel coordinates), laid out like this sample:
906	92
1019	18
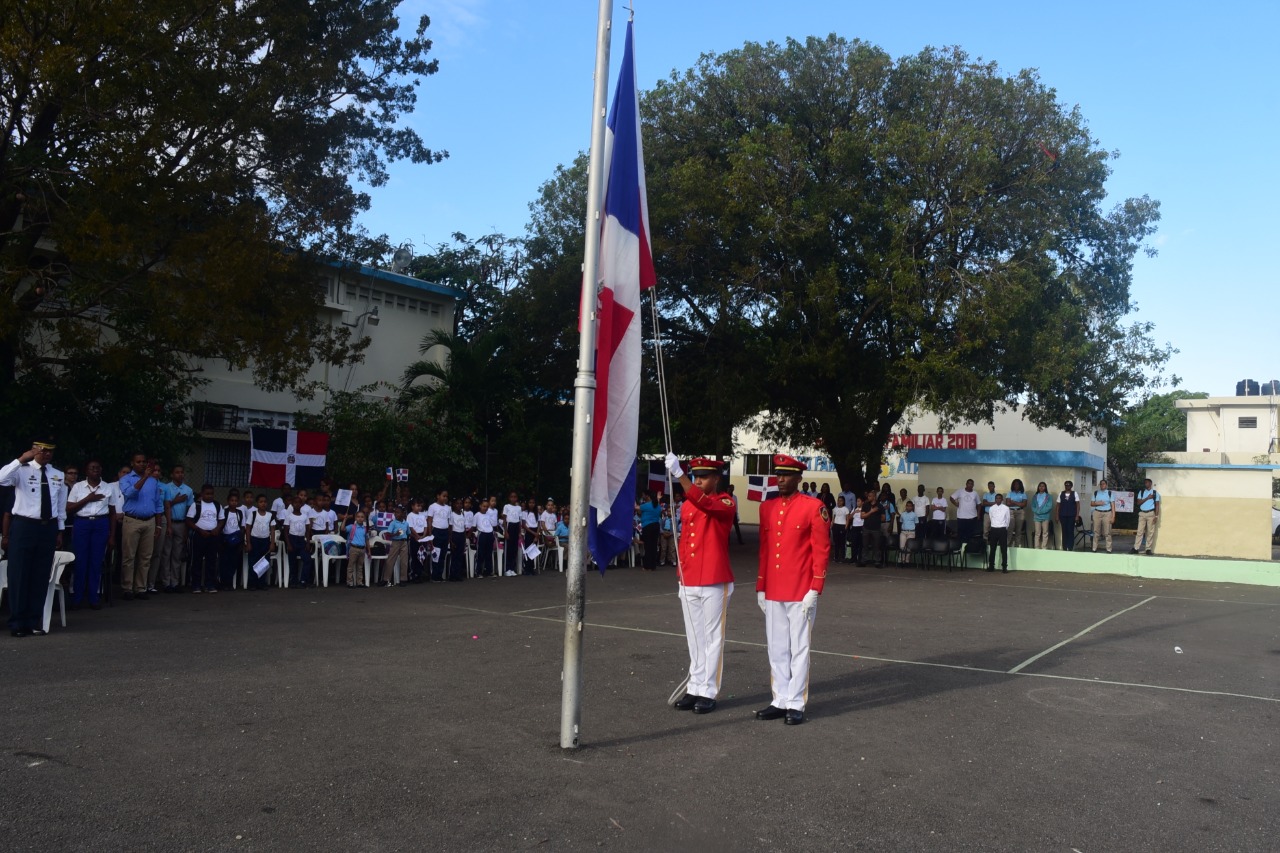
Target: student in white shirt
457	542
439	515
839	528
203	519
93	504
938	516
511	530
856	523
233	544
485	519
261	527
966	501
529	531
547	525
998	534
297	523
420	543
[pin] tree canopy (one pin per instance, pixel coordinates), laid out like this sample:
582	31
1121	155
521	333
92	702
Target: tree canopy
171	175
840	236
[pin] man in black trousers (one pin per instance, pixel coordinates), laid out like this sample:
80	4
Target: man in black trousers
35	532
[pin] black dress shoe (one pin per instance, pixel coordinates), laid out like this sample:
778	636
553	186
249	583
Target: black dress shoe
794	718
704	706
38	632
127	595
770	713
685	702
20	633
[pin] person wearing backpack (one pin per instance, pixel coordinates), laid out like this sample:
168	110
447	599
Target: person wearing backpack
202	521
1104	514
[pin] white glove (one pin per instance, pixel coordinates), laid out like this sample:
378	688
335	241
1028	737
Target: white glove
809	604
673	467
760	600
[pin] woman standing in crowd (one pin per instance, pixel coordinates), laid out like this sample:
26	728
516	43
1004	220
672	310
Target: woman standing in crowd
1041	510
839	528
650	530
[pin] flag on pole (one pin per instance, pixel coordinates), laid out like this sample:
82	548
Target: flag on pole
657	477
279	456
389	473
761	487
402	475
626	268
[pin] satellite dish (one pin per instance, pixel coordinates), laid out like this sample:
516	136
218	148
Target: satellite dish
400	260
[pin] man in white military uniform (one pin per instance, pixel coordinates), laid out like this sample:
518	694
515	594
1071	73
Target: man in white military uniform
35	532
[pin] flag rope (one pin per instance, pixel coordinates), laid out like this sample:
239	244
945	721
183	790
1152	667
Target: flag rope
665	413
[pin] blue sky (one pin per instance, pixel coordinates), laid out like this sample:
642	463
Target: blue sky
1189	94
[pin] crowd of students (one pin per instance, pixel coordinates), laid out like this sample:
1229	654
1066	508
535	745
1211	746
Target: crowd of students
165	537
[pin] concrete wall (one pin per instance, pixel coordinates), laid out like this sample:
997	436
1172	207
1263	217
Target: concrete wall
1214	511
1255	572
1213	424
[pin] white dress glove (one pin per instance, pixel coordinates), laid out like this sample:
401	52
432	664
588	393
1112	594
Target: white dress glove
673	467
809	604
760	600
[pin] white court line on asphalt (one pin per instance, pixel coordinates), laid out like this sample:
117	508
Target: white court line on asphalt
590	602
1054	648
960	667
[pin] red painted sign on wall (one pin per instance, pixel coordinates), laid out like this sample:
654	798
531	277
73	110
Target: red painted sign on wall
934	441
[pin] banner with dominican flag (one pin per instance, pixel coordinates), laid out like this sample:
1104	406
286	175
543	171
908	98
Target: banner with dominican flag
280	456
761	487
657	477
626	268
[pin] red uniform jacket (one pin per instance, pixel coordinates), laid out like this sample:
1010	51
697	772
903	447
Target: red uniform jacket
705	522
795	545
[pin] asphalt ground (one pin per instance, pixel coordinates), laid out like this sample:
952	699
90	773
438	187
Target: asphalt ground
427	718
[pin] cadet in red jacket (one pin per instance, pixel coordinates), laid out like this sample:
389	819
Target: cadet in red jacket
706	581
795	544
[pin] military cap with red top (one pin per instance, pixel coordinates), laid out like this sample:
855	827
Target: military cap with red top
784	464
703	466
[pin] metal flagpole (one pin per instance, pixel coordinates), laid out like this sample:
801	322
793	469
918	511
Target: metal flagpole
584	390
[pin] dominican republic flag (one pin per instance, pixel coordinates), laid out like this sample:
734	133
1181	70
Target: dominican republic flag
402	475
626	268
761	487
657	477
280	456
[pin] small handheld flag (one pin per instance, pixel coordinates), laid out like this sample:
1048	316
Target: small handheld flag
402	475
389	472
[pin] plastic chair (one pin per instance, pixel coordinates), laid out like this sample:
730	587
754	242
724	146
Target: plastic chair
321	556
914	553
547	550
4	578
61	559
371	558
940	550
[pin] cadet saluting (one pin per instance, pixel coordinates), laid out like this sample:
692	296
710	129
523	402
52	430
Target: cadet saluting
706	581
795	545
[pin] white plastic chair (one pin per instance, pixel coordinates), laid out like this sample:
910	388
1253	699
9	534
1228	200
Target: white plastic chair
61	559
323	559
281	558
372	559
4	578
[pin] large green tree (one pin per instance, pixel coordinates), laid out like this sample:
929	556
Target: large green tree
840	236
172	174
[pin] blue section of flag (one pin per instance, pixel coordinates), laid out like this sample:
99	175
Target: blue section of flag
609	539
622	199
269	440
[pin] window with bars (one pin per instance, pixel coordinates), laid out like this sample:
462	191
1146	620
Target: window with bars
758	463
226	463
1248	423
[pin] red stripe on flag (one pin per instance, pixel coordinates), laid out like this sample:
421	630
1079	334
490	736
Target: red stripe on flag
614	320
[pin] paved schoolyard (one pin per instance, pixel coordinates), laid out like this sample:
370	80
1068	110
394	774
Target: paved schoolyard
427	718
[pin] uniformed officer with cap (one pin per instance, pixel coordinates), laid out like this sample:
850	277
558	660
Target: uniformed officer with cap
795	546
706	581
35	531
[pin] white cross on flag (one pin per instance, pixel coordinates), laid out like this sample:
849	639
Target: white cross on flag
280	456
761	487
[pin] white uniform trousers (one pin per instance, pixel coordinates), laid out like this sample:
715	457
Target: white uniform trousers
788	632
706	610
